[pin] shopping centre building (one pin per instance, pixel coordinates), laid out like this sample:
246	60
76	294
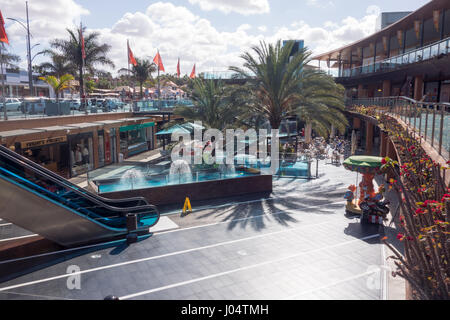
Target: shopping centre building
410	57
73	145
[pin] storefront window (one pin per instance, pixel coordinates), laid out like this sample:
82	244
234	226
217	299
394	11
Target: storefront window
51	156
81	154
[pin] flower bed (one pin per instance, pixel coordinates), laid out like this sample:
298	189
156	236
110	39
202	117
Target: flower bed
425	206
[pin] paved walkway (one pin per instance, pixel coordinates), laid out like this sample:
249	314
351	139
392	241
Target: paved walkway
296	245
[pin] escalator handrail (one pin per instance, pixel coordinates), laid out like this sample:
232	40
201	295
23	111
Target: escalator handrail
65	181
82	194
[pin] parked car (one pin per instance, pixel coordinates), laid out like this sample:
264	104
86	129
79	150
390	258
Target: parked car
75	104
117	103
12	104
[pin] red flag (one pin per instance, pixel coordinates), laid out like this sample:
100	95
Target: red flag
192	76
83	51
3	36
178	68
158	62
131	58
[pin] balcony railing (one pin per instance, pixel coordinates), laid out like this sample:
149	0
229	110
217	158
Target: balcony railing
425	53
429	121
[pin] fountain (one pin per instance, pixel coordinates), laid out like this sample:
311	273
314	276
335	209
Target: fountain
132	178
178	169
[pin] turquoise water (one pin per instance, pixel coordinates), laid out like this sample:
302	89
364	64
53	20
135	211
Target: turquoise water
162	181
298	169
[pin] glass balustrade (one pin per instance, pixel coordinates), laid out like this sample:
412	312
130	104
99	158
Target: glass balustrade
421	54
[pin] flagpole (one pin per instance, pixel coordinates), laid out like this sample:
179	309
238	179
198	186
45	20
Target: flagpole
5	112
159	86
82	91
128	69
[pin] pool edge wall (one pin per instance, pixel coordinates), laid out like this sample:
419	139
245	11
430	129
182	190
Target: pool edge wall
199	190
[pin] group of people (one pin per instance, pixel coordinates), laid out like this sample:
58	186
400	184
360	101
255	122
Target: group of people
79	156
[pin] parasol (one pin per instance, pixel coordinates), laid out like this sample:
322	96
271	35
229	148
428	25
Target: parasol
364	164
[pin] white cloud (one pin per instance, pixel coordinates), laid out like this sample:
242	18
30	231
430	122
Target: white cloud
320	3
177	32
262	28
47	17
245	7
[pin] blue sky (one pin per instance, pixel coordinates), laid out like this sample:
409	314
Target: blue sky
210	33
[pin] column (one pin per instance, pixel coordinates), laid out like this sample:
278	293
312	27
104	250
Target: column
117	143
418	88
356	123
361	93
386	88
95	147
369	137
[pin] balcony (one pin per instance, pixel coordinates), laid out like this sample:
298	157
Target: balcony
400	61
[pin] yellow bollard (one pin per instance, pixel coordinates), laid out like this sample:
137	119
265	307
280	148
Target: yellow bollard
187	208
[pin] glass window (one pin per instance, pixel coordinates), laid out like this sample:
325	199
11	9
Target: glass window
81	154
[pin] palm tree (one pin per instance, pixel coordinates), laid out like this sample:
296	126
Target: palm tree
58	84
58	66
96	53
284	86
141	72
275	79
7	60
322	104
212	105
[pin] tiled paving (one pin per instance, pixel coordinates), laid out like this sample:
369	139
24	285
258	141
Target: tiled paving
296	245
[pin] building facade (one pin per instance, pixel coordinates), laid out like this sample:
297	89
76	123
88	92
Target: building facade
74	145
17	84
410	57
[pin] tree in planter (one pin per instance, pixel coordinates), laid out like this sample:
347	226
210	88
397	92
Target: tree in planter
58	85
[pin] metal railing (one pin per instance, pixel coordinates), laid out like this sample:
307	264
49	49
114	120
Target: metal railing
430	121
421	54
153	105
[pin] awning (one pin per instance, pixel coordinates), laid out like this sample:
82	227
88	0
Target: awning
137	126
175	129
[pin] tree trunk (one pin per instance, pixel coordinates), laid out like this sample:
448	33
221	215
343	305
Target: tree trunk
308	132
142	92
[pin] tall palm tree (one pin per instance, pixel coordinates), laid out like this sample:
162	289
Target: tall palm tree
321	104
141	72
57	66
274	78
284	86
7	60
212	105
96	52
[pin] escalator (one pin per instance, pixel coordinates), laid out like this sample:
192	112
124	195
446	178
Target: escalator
42	202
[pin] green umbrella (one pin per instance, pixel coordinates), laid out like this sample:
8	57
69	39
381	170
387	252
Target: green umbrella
364	164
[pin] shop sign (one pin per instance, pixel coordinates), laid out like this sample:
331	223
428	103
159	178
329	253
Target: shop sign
43	142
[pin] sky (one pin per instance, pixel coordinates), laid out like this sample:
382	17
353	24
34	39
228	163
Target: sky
210	33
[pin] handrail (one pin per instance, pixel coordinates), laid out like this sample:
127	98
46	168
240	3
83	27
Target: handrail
426	119
65	181
84	195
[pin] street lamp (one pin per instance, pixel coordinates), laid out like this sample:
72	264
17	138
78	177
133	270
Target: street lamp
27	28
